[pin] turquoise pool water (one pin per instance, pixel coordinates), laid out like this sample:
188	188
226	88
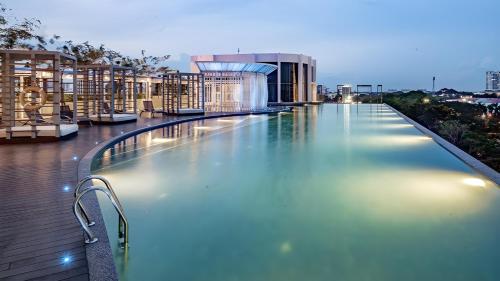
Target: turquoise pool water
321	193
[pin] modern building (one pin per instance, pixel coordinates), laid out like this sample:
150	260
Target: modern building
321	92
493	81
292	81
324	93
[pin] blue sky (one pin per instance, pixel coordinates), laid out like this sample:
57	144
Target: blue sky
398	43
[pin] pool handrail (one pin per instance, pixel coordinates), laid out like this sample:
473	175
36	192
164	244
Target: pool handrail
81	184
82	215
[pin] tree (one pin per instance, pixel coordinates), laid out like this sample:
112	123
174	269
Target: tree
21	34
15	34
84	52
148	65
433	114
472	127
453	130
493	109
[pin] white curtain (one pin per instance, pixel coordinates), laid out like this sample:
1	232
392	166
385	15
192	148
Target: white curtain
246	91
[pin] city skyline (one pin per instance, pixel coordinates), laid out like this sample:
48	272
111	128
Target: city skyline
400	44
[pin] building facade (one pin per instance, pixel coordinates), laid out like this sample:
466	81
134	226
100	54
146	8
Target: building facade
493	81
293	81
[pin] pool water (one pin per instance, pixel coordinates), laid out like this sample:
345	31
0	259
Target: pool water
324	192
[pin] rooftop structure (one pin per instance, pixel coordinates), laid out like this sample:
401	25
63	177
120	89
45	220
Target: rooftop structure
183	93
107	93
293	80
37	95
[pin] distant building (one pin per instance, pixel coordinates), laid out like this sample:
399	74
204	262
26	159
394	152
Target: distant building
321	89
486	101
324	93
493	81
346	93
321	92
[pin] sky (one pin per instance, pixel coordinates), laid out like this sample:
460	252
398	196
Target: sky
401	44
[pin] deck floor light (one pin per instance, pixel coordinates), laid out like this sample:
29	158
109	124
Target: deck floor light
66	188
66	259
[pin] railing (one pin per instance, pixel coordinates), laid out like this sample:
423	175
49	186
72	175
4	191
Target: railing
82	214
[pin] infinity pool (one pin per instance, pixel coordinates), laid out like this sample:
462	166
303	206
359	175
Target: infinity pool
321	193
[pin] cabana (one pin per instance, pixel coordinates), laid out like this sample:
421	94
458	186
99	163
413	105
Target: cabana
149	88
183	93
37	95
107	93
149	93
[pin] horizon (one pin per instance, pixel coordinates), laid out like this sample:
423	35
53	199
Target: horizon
398	45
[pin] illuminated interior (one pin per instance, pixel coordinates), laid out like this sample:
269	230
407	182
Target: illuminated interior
234	87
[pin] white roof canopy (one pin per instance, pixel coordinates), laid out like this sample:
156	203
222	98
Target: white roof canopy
210	66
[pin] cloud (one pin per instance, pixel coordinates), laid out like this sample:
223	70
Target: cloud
363	40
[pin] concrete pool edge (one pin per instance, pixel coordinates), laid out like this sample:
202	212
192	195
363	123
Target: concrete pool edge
457	152
99	255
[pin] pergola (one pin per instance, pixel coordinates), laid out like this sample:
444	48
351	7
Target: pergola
183	93
380	93
37	95
149	87
107	93
365	89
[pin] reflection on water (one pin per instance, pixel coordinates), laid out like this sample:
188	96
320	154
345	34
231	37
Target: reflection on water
321	193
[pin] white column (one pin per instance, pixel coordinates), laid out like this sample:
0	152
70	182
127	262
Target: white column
279	80
301	81
309	81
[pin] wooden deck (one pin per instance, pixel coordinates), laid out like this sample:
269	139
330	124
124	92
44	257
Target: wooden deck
39	237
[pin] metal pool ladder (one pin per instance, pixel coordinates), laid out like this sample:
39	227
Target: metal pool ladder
82	215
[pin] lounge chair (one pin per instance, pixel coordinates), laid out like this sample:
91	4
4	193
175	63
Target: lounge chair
37	117
66	112
107	109
149	107
34	116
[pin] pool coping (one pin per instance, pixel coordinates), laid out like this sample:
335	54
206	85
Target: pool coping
100	259
475	164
